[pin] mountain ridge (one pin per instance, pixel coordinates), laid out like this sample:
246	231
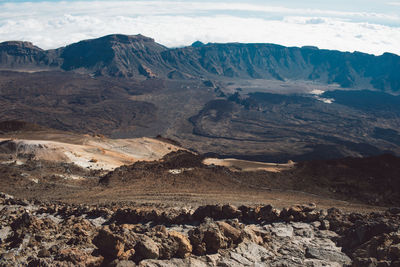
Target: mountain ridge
138	56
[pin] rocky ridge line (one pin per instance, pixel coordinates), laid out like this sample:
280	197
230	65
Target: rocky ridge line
43	234
139	56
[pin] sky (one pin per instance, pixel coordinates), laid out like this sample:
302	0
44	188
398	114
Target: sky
370	26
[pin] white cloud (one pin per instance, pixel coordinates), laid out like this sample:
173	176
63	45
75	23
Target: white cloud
54	24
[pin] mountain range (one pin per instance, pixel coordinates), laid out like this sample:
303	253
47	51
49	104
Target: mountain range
138	56
260	102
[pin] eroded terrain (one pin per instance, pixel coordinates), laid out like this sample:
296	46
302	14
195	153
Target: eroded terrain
57	234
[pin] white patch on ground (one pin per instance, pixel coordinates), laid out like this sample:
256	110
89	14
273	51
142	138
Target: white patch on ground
97	221
94	153
246	165
178	171
55	219
326	100
317	92
4	232
70	177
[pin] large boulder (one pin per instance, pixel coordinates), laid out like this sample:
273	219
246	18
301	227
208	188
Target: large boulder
146	248
184	246
109	245
267	214
212	236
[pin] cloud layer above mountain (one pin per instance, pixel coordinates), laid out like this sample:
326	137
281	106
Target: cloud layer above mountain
54	24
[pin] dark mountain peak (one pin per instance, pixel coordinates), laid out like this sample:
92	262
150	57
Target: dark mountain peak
390	55
121	38
197	44
115	55
137	56
19	44
112	40
310	47
19	54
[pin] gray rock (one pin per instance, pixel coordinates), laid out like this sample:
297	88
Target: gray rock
146	248
123	263
394	210
320	263
302	229
240	259
251	252
189	262
4	232
328	255
325	225
109	244
282	230
44	253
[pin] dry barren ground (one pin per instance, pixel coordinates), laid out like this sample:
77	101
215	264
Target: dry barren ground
94	152
50	165
246	165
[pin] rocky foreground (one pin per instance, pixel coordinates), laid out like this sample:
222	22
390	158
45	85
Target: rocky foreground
42	234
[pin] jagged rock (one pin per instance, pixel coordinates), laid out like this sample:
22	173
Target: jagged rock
6	259
233	235
282	230
208	211
33	262
394	210
230	212
122	263
189	262
210	237
304	213
337	221
366	235
330	255
268	214
109	244
308	207
324	225
133	216
24	221
126	255
394	252
207	238
176	216
64	238
251	233
365	262
249	214
302	229
78	257
44	253
4	232
184	246
214	240
250	254
146	249
383	264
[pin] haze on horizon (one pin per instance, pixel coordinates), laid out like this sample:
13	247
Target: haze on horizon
369	26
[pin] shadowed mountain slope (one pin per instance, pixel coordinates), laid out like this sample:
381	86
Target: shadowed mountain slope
372	180
249	101
114	55
140	56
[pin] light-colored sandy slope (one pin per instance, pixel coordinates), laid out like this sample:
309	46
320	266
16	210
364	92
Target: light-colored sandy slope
244	165
94	153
